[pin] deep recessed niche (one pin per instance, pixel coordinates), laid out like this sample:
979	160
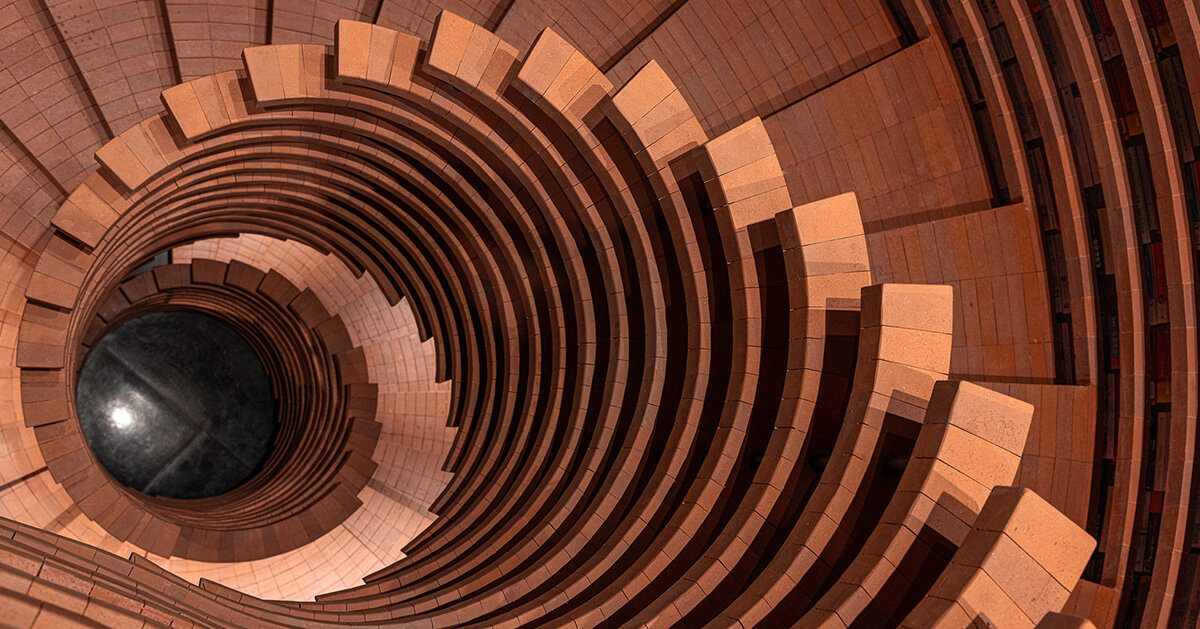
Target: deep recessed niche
176	404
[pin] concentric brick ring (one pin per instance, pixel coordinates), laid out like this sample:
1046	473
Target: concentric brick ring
679	398
326	403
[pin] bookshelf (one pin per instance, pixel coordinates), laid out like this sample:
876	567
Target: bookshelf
1181	113
1101	257
1155	301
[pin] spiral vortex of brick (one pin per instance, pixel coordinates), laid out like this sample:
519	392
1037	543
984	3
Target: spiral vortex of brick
877	333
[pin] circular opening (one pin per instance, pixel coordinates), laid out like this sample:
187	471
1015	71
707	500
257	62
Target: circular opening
176	404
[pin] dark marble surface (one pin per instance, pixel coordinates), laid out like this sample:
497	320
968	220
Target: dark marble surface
176	404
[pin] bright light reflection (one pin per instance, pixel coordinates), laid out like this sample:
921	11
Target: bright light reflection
120	417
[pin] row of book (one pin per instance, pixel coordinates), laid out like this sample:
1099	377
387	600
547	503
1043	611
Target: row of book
1154	12
1052	48
1145	197
1080	136
1154	275
1152	487
1101	26
1120	88
1159	342
1177	94
1178	98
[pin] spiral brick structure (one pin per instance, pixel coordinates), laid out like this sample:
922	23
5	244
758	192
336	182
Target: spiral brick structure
697	313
